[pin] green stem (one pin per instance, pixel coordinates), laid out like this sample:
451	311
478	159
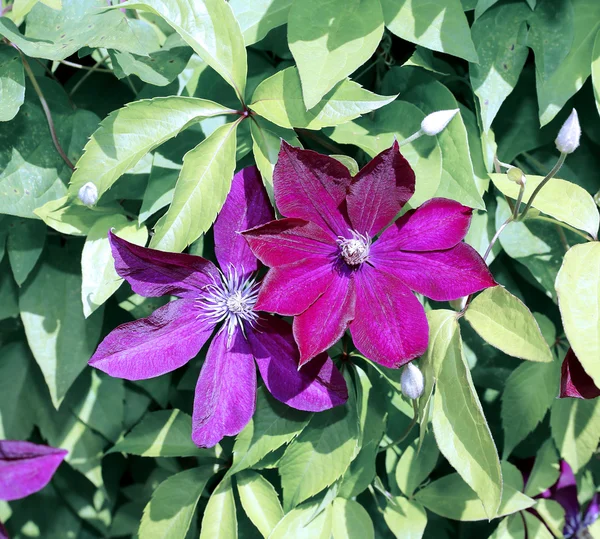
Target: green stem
519	199
86	75
414	136
548	177
408	429
87	68
564	225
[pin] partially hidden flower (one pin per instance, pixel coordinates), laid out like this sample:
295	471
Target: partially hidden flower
574	381
329	273
211	299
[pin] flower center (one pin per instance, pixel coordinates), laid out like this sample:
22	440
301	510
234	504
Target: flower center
354	250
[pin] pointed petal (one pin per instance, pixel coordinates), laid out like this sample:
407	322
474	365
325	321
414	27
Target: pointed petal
565	491
26	468
247	206
390	326
149	347
312	187
225	395
324	322
379	191
439	275
153	273
288	240
574	381
438	224
593	510
317	386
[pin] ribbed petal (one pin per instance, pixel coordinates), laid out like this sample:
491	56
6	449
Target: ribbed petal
574	381
439	275
26	468
312	187
247	206
390	326
315	387
379	191
225	396
153	273
436	225
149	347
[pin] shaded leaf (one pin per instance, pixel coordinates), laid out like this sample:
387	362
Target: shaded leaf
350	520
259	17
12	83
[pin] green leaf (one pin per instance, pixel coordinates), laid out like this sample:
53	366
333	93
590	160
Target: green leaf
127	134
25	243
169	513
350	520
563	200
437	26
202	186
279	100
505	322
9	295
460	427
259	17
499	37
220	520
166	433
259	500
578	289
545	472
406	519
552	514
575	428
301	523
209	27
12	83
512	527
100	279
596	70
416	464
535	527
331	40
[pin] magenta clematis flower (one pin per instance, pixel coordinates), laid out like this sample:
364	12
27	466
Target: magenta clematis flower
574	381
226	391
327	271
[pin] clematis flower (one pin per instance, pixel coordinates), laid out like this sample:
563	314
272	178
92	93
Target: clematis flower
211	299
329	272
574	381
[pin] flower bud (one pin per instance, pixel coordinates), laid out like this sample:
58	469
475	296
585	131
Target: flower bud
569	134
88	194
436	122
515	174
411	381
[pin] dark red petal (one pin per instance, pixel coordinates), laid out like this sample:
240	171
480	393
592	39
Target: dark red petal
574	381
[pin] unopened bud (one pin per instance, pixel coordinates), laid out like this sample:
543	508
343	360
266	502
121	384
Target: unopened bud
569	134
88	194
515	174
411	381
436	122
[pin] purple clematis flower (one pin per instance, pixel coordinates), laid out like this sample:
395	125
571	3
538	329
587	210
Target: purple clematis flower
226	390
327	271
574	381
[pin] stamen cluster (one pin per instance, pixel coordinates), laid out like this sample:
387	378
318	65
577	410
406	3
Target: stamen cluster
355	250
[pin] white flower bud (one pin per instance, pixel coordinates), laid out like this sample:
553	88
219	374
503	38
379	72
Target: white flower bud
569	134
88	194
436	122
411	381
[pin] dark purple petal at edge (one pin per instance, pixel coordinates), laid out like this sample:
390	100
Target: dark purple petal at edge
574	381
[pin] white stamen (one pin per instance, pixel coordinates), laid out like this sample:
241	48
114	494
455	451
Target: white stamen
354	250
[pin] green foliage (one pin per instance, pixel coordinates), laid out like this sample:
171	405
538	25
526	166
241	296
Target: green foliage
12	83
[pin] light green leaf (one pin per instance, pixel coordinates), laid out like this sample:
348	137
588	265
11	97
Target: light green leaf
505	322
512	527
220	520
416	464
259	17
279	100
545	472
350	520
128	134
535	527
575	428
349	162
12	83
209	27
100	279
596	70
202	186
437	26
300	523
552	514
330	40
406	519
166	433
563	200
25	242
578	289
460	427
259	500
169	513
161	186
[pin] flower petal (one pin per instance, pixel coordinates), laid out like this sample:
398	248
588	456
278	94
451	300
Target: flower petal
153	273
247	206
288	240
225	396
26	468
593	511
437	224
317	386
3	532
439	275
324	322
574	381
149	347
312	187
390	326
379	191
565	491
